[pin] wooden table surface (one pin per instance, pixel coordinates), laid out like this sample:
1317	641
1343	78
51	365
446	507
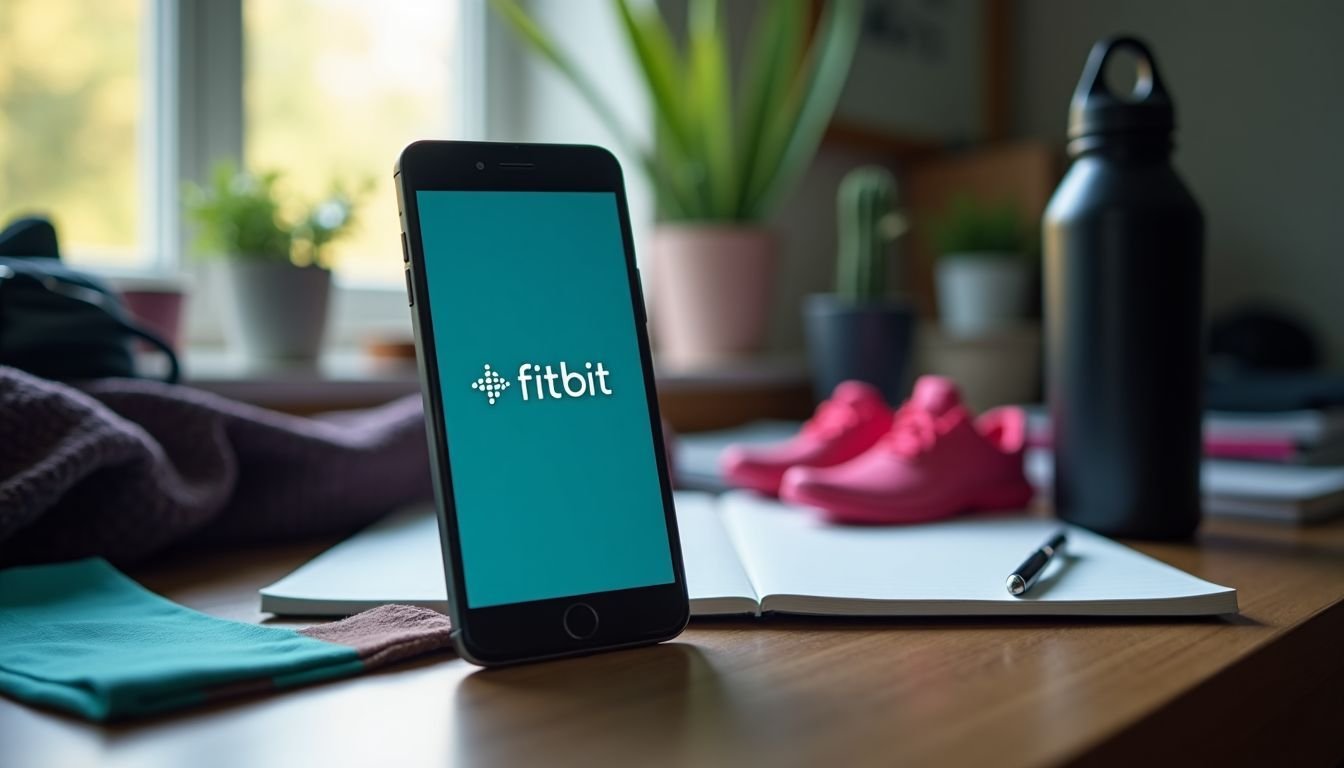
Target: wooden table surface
1265	687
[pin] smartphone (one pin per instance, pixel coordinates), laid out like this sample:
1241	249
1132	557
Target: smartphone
555	508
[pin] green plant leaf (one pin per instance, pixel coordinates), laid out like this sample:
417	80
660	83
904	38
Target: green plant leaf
545	47
969	227
669	167
541	44
707	162
772	60
238	216
676	201
711	109
661	65
794	132
325	222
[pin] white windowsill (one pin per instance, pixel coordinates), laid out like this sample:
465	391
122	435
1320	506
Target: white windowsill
340	378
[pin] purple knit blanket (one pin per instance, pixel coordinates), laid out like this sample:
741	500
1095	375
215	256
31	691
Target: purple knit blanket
127	469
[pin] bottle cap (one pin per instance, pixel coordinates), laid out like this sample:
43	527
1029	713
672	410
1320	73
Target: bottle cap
1098	110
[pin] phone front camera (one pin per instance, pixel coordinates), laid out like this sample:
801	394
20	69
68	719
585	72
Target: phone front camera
480	166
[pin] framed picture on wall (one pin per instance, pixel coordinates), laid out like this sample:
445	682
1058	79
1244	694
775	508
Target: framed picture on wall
926	74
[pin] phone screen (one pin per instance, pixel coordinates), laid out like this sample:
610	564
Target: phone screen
554	477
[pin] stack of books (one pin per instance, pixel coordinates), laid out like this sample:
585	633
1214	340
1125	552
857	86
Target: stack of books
1313	437
1289	437
1284	465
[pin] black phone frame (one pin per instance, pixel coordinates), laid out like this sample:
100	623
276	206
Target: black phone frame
533	630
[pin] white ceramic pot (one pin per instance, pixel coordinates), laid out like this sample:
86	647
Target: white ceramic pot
274	311
712	285
981	293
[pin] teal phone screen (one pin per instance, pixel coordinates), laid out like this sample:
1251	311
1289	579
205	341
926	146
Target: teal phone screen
553	471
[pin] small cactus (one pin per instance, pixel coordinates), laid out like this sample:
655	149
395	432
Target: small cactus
868	222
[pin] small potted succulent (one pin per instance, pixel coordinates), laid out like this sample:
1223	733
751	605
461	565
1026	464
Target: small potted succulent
273	268
983	274
861	331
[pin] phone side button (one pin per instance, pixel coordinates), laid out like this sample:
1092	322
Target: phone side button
580	621
405	251
641	308
410	291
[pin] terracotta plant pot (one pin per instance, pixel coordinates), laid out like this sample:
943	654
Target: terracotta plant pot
712	286
156	303
274	311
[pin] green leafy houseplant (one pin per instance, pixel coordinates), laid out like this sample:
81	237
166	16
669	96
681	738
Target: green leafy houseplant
239	215
969	228
984	273
722	154
324	223
274	268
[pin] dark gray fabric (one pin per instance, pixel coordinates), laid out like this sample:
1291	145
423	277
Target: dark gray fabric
125	469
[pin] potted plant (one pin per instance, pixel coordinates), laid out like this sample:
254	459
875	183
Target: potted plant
274	270
860	332
983	275
723	156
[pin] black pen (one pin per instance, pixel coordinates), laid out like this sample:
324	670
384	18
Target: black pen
1020	580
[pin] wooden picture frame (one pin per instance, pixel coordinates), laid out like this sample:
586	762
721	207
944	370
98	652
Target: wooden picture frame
927	74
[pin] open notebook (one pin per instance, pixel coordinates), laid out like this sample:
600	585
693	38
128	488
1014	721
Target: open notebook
748	555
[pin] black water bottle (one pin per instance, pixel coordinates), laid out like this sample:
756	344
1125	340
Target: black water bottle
1124	242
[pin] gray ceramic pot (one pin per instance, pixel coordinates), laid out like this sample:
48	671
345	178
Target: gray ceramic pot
868	342
274	311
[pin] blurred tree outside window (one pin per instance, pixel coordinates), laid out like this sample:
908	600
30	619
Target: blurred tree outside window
333	89
72	111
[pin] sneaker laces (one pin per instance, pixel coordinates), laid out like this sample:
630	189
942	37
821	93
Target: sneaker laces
913	432
832	418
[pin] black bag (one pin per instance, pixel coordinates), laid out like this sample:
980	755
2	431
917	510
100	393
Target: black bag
60	323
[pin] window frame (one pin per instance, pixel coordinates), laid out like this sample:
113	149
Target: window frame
198	91
194	114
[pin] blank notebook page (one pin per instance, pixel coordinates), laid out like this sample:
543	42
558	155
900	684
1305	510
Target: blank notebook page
800	565
714	576
399	560
396	560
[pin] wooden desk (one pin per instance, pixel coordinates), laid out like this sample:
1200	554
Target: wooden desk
1266	687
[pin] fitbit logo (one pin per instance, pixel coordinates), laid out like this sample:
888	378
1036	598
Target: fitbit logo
544	382
492	384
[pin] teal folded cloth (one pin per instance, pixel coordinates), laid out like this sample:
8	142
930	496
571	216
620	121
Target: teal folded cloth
82	637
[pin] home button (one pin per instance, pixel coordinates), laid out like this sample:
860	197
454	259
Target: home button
580	621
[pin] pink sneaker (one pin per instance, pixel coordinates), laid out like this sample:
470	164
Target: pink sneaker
934	463
844	426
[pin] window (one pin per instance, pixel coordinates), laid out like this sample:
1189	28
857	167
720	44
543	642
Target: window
333	89
109	106
73	85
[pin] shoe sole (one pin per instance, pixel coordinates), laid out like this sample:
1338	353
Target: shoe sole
851	512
